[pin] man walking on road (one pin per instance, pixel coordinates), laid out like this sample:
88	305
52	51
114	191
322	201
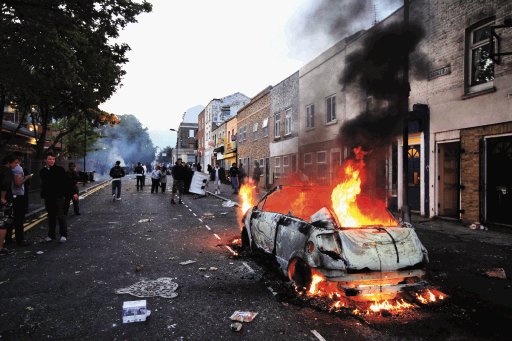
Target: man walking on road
55	185
233	174
178	184
139	174
116	173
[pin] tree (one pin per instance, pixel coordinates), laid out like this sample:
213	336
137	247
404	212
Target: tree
59	55
168	155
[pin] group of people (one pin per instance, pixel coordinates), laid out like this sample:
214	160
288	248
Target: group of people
58	188
237	176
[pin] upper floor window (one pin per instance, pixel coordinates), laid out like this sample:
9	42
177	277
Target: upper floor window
191	133
264	127
288	121
310	116
277	125
481	66
255	131
330	108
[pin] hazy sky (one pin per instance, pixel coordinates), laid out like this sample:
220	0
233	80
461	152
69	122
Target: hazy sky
184	53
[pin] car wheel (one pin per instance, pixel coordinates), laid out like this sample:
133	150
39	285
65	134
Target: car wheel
245	239
300	273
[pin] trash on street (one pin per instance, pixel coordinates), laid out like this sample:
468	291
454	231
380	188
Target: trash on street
228	203
163	287
187	262
243	316
145	220
135	311
236	326
495	273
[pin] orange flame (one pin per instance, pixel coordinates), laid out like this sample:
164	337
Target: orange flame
248	195
315	281
350	209
393	306
430	297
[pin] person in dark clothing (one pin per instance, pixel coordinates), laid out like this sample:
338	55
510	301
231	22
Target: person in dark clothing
198	167
6	213
209	169
256	174
189	173
116	172
72	195
55	184
233	175
217	176
241	174
179	174
139	174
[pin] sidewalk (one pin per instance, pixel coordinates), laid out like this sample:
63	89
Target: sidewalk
495	236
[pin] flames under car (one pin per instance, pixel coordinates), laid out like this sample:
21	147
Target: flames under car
362	261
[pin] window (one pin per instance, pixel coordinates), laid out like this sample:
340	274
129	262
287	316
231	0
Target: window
288	121
264	127
255	131
307	159
321	167
330	108
277	125
286	165
310	116
277	168
308	167
191	133
481	66
243	133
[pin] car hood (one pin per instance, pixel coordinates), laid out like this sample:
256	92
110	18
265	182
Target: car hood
381	249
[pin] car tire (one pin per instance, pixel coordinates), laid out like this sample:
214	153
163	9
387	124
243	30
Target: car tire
299	273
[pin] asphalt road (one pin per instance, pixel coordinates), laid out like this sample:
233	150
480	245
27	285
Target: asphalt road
68	291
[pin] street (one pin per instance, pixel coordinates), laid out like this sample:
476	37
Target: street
68	291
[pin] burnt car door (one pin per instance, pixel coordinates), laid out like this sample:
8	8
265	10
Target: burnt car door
263	227
291	237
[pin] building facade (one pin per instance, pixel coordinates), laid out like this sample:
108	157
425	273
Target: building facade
200	138
283	128
252	138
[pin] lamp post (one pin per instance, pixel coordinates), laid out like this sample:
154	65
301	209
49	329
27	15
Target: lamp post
177	144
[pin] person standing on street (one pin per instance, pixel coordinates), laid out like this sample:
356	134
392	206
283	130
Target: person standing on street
217	175
178	183
233	174
155	179
19	203
55	185
163	178
144	174
139	174
116	172
72	195
6	213
241	175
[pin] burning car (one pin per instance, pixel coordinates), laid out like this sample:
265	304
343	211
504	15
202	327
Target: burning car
354	243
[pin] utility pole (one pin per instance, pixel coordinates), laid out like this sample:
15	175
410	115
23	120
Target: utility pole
404	108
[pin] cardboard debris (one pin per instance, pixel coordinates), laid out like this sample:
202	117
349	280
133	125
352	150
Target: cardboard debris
145	220
495	273
135	311
243	316
187	262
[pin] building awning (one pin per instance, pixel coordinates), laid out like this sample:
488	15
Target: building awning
229	155
219	150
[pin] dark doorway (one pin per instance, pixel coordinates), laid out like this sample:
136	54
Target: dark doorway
413	186
449	179
499	180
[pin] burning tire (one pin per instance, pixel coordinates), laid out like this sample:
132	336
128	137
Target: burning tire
300	273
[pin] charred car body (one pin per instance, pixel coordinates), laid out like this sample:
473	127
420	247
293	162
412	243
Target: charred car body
362	261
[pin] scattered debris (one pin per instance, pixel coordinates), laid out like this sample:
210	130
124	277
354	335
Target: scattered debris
135	311
212	268
7	280
163	287
202	269
243	316
208	215
477	226
173	257
236	326
272	291
145	220
39	252
228	203
187	262
139	268
495	273
317	334
113	222
77	272
29	308
223	213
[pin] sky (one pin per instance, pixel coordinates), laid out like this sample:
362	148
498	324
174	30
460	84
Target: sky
185	53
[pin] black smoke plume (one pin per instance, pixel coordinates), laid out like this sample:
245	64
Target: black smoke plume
376	71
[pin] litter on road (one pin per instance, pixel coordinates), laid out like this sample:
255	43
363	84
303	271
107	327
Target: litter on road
495	273
187	262
228	203
163	287
144	220
236	326
243	316
135	311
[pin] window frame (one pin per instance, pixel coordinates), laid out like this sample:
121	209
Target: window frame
277	125
277	165
288	122
264	127
330	109
255	131
310	116
470	85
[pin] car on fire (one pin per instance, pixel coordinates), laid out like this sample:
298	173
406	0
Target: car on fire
305	237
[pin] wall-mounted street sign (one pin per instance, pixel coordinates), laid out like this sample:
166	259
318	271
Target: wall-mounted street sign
443	71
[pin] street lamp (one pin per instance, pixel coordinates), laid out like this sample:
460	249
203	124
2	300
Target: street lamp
177	144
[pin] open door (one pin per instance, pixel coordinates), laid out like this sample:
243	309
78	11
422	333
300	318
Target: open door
449	179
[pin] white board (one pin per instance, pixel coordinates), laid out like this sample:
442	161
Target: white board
198	184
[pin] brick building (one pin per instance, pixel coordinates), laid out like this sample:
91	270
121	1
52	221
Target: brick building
468	97
200	138
252	138
283	127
